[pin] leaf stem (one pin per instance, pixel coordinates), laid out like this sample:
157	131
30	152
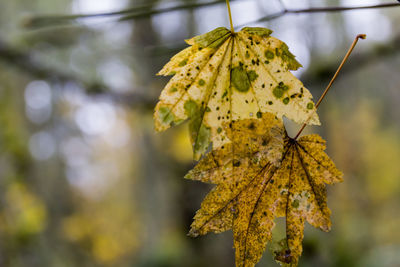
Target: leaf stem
230	16
353	45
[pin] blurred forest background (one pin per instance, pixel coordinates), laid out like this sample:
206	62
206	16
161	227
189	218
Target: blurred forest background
86	181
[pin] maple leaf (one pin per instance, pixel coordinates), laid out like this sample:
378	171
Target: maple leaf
263	174
225	76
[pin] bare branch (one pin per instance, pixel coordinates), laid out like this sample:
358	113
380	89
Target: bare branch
286	11
122	15
146	11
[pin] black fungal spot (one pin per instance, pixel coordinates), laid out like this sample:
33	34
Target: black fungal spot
264	142
236	163
251	126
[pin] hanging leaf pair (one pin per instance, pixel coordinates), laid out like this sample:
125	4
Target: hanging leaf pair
234	88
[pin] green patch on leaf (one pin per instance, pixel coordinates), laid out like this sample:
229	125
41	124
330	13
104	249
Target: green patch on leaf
269	54
183	62
263	32
286	100
310	105
252	75
214	38
199	133
165	115
202	82
191	108
288	57
280	90
202	141
239	79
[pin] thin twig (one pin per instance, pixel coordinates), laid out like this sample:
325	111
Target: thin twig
143	11
286	11
353	45
125	14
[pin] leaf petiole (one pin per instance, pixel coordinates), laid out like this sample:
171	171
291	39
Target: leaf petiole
353	45
230	16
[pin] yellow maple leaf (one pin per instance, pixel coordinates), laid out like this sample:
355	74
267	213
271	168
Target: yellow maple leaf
263	174
225	76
